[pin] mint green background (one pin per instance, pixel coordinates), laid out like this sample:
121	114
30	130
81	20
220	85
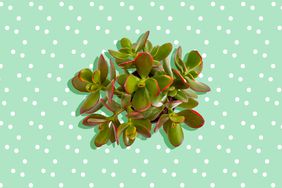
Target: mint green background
208	156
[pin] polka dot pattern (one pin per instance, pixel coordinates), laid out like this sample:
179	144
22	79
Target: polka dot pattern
44	42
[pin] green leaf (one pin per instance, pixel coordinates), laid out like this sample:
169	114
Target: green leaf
143	63
85	75
112	106
175	134
127	141
197	86
196	70
159	100
176	118
102	137
193	60
130	84
167	67
131	132
179	82
155	50
110	90
192	103
96	77
153	87
178	61
190	93
78	84
164	81
140	44
103	67
181	96
121	128
97	106
126	64
125	43
89	102
141	101
94	119
164	118
148	46
152	113
163	51
135	115
143	127
112	136
112	70
192	118
118	55
125	100
121	79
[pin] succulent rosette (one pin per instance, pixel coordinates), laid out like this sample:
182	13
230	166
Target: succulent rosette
149	91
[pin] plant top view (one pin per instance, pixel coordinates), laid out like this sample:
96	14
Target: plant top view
154	91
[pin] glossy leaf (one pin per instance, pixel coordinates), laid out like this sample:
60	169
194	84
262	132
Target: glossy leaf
197	86
176	118
175	134
153	87
118	55
121	128
112	106
96	77
192	118
143	127
196	70
112	70
155	50
192	103
110	90
78	84
89	102
103	67
143	63
190	93
127	141
131	83
193	60
135	115
121	79
164	118
125	43
112	136
97	106
102	137
178	61
163	51
180	81
141	101
125	100
140	44
164	81
152	113
181	96
167	67
148	46
94	119
85	75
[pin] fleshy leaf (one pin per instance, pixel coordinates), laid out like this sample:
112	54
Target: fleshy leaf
121	128
131	132
112	70
78	84
89	102
103	67
118	55
164	81
153	87
143	63
167	67
154	50
94	119
130	84
97	106
148	46
164	118
181	96
141	101
126	140
163	51
121	79
175	134
176	118
193	60
152	113
85	75
196	70
125	100
103	136
178	61
135	115
192	118
96	77
110	90
190	93
192	103
112	106
180	81
125	43
140	44
197	86
143	127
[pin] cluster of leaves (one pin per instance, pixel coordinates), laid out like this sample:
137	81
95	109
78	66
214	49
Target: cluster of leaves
149	91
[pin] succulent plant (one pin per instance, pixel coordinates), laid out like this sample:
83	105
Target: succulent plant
149	91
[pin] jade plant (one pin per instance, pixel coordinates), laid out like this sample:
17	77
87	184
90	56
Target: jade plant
151	92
